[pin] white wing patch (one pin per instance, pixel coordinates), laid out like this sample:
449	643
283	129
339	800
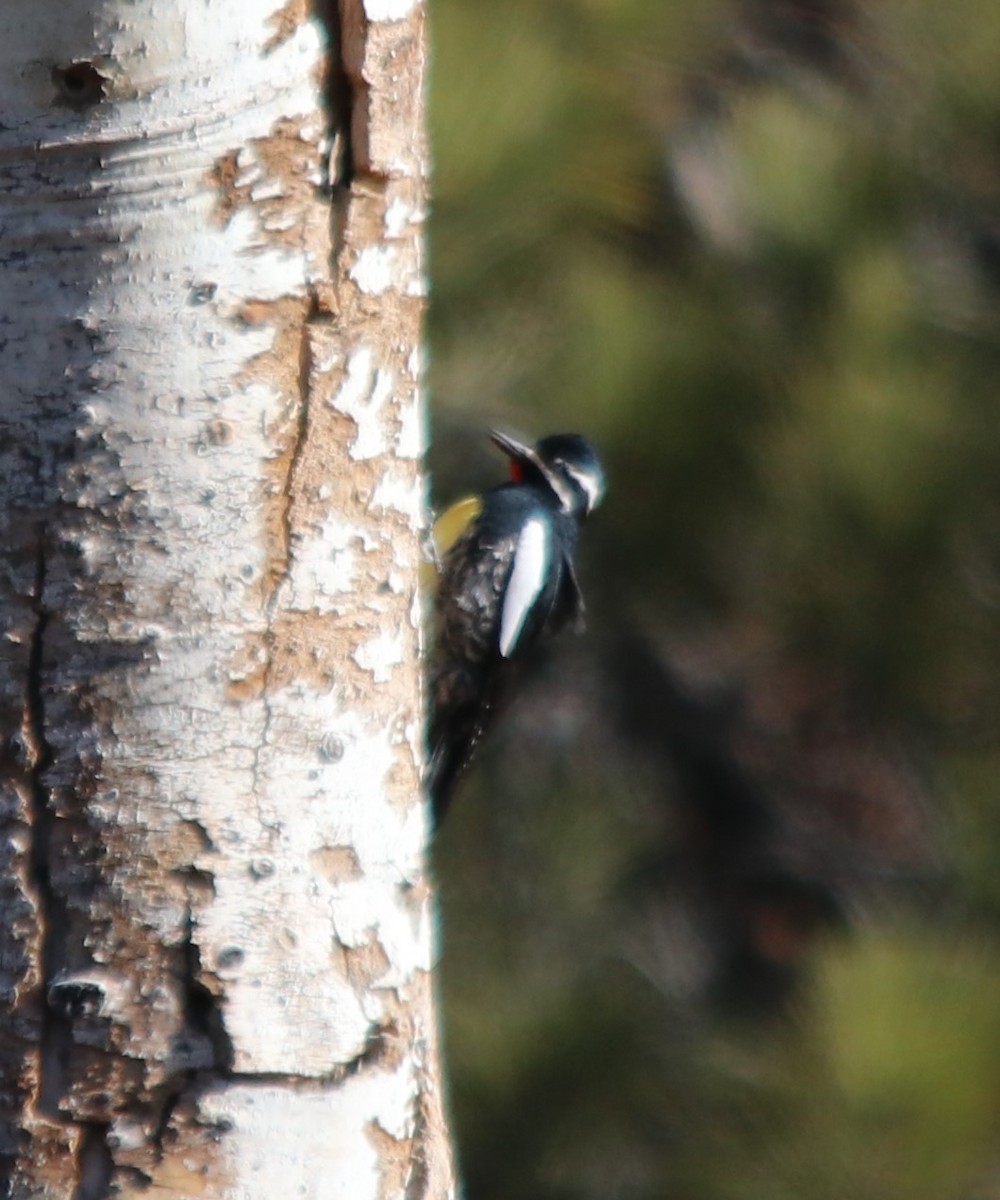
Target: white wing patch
527	578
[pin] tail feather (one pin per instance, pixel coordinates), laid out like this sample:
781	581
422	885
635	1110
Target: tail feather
453	743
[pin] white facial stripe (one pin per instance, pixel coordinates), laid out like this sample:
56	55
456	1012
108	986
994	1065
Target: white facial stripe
588	484
527	578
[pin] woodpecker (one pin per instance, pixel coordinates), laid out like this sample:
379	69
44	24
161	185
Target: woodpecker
506	579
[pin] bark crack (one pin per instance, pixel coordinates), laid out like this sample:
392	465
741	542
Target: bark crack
418	1183
419	1180
306	364
202	1011
204	1045
95	1165
304	378
340	98
54	1031
94	1160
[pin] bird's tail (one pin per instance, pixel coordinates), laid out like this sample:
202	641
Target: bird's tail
452	742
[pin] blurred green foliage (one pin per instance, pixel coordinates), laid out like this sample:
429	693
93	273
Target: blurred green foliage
753	251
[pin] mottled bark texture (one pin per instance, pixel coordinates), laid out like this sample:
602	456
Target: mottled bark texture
214	918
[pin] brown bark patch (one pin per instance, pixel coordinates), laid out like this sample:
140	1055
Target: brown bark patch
53	1145
279	368
395	1159
366	963
285	22
222	180
337	864
192	1159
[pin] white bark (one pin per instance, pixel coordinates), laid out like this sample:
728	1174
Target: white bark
215	948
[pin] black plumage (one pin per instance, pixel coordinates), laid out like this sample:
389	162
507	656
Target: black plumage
506	581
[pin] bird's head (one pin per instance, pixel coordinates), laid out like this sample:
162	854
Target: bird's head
566	463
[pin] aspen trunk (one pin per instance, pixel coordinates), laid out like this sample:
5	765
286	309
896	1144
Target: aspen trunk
214	920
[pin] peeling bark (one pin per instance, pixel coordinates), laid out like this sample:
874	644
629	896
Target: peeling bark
215	936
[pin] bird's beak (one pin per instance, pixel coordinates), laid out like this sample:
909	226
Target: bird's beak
520	451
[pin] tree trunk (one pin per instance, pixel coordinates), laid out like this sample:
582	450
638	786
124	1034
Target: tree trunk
214	920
